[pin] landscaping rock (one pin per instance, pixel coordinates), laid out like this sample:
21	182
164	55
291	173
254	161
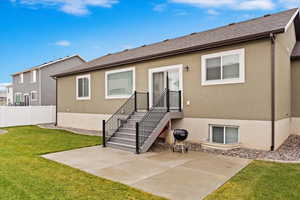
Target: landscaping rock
288	151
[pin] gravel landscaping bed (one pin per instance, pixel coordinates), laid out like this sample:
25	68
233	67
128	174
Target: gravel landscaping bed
288	151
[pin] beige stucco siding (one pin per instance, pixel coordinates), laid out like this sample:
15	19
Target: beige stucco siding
284	46
249	100
296	88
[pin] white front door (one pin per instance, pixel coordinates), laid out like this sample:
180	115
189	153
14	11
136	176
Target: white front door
158	81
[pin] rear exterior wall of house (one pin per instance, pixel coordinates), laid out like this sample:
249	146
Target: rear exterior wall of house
246	105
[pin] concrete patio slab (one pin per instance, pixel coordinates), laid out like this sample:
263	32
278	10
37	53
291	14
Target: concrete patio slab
171	175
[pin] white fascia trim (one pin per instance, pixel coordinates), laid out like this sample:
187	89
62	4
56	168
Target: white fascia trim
118	71
291	20
162	69
241	79
89	78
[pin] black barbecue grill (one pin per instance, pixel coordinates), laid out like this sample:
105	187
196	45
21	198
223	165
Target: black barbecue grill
180	135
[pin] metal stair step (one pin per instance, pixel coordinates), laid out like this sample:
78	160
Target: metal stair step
124	147
120	140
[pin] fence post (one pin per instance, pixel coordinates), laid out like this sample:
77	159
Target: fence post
148	105
179	93
137	148
135	101
103	134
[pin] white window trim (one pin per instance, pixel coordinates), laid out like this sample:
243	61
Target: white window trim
77	95
162	69
31	96
33	76
21	77
118	71
241	79
224	133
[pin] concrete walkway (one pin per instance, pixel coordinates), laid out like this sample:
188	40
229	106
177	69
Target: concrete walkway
172	175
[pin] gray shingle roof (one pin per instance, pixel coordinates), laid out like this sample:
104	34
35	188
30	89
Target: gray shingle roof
47	64
251	29
296	51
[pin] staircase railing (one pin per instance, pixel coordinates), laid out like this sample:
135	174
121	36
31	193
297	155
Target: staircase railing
138	101
113	124
167	102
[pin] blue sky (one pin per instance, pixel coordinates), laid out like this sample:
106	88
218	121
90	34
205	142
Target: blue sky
36	31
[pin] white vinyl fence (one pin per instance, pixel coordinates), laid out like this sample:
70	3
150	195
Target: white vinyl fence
27	115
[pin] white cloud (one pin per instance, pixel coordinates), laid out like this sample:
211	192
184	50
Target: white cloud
62	43
160	7
290	3
74	7
232	4
205	3
212	12
256	4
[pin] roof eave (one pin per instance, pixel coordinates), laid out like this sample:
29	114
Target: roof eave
47	64
176	52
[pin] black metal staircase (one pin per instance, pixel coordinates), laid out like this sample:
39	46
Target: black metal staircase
135	126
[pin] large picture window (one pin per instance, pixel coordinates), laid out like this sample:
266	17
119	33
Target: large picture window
120	83
83	87
224	134
223	68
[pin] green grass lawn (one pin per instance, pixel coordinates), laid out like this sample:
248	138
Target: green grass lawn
25	175
262	180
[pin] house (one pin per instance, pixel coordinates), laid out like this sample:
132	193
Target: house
35	87
233	86
3	95
9	95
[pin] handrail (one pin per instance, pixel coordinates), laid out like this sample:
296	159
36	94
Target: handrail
112	125
149	122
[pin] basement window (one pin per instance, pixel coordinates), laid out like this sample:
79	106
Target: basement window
224	134
223	68
83	87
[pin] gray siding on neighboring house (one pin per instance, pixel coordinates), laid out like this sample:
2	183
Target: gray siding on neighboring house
45	85
48	85
27	86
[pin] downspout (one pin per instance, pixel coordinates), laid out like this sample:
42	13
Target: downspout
273	39
56	103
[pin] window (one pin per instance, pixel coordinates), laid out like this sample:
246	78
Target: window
33	76
224	134
33	96
21	78
18	98
83	88
223	68
120	83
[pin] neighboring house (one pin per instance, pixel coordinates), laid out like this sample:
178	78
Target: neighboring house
10	95
240	86
35	87
3	95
